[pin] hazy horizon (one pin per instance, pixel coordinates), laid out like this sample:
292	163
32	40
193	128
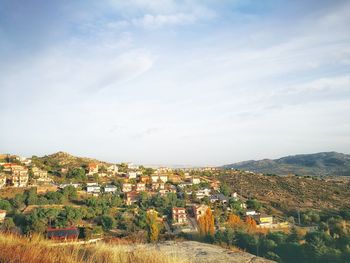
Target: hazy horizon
175	82
172	165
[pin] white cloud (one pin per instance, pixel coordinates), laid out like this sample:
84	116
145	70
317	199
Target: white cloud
154	21
341	83
225	93
79	71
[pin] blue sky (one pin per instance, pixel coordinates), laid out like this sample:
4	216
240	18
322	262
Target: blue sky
174	82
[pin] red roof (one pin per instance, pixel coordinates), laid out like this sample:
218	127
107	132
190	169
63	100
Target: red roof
61	233
93	165
8	164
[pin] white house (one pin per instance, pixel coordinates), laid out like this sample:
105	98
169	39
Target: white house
65	185
163	178
19	176
133	166
159	178
95	189
251	213
113	169
202	193
126	187
182	185
140	187
195	180
38	173
131	175
110	189
154	178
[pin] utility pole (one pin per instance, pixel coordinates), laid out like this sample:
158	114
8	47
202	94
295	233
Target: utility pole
299	217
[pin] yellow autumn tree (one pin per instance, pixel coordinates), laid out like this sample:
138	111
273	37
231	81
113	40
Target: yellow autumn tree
206	223
234	221
152	227
250	223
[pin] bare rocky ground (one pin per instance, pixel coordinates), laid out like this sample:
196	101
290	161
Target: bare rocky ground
200	253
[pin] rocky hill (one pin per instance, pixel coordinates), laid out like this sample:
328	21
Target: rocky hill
196	252
18	249
63	159
320	164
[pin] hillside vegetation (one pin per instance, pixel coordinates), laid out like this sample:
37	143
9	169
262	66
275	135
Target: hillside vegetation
58	160
322	164
290	192
36	250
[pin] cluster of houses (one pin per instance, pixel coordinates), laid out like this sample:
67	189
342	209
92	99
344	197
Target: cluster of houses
180	215
153	184
132	183
102	170
17	175
96	189
13	175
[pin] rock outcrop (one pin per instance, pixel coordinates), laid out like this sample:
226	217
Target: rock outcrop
197	252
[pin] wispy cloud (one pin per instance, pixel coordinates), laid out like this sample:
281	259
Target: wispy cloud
196	82
155	21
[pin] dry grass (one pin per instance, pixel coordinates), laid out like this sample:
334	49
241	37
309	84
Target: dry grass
37	250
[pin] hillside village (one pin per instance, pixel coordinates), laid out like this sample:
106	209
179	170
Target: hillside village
131	183
71	199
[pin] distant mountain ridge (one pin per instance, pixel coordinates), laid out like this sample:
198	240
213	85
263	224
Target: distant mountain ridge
322	164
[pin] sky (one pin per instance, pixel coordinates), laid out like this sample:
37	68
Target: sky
187	82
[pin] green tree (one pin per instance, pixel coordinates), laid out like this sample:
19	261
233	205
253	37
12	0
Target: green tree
141	220
31	197
93	232
8	225
247	241
235	205
253	204
5	205
77	173
70	192
18	201
55	197
225	189
148	171
107	222
144	200
72	214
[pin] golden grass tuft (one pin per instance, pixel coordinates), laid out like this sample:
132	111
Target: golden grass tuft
38	250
